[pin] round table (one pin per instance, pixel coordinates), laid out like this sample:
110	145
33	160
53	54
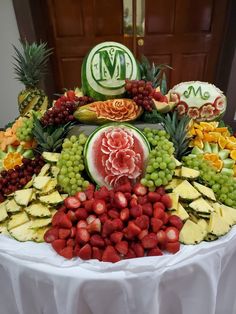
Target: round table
199	279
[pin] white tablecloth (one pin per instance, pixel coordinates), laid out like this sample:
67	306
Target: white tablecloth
199	279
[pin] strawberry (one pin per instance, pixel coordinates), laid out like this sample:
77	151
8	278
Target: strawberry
62	208
82	224
70	242
67	252
159	205
81	213
82	236
110	254
88	204
116	236
173	247
51	235
89	193
154	252
166	200
124	214
76	250
142	234
130	254
107	242
156	224
142	222
97	253
102	193
90	219
140	189
120	200
117	224
72	202
73	232
97	240
161	190
113	213
58	245
132	230
149	241
56	218
153	197
133	201
142	199
147	209
122	247
165	218
107	228
63	233
99	206
61	220
158	212
138	249
95	226
71	215
172	234
125	187
103	218
85	252
128	196
162	239
136	211
81	196
175	221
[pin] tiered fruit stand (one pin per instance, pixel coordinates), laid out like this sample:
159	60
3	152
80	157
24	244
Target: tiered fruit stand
120	171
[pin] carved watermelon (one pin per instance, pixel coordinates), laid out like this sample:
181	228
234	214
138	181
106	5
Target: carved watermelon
115	153
105	69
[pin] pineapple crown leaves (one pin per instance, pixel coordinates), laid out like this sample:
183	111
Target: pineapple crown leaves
49	138
177	128
30	63
154	73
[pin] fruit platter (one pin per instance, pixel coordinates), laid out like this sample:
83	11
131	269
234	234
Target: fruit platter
119	168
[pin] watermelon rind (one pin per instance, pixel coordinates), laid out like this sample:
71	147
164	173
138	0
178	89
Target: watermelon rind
91	171
95	65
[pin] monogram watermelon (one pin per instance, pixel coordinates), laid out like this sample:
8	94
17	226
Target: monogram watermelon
105	69
115	153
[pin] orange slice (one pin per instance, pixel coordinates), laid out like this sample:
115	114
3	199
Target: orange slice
198	142
199	133
221	130
222	142
233	154
11	160
214	160
207	126
209	138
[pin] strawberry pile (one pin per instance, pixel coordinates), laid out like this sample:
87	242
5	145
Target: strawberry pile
111	225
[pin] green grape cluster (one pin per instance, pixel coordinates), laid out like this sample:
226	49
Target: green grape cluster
223	185
24	132
71	165
161	163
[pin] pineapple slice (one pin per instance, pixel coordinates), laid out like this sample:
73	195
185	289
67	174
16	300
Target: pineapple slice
49	188
55	171
177	172
40	182
12	206
44	170
204	225
51	157
201	206
186	191
3	211
205	191
228	212
177	163
210	237
181	212
23	232
191	233
217	225
40	222
17	220
39	234
3	228
173	184
52	198
175	200
189	173
38	210
23	197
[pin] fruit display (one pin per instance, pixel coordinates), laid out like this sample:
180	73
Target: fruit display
30	65
201	101
119	168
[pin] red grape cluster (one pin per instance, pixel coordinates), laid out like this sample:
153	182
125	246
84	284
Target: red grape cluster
15	179
84	100
58	115
141	93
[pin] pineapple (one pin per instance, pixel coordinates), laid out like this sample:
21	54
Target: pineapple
30	66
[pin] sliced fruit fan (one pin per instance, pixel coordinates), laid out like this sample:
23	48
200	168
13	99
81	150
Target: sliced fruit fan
152	169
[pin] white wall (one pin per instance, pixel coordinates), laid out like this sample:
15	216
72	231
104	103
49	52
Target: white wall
9	87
